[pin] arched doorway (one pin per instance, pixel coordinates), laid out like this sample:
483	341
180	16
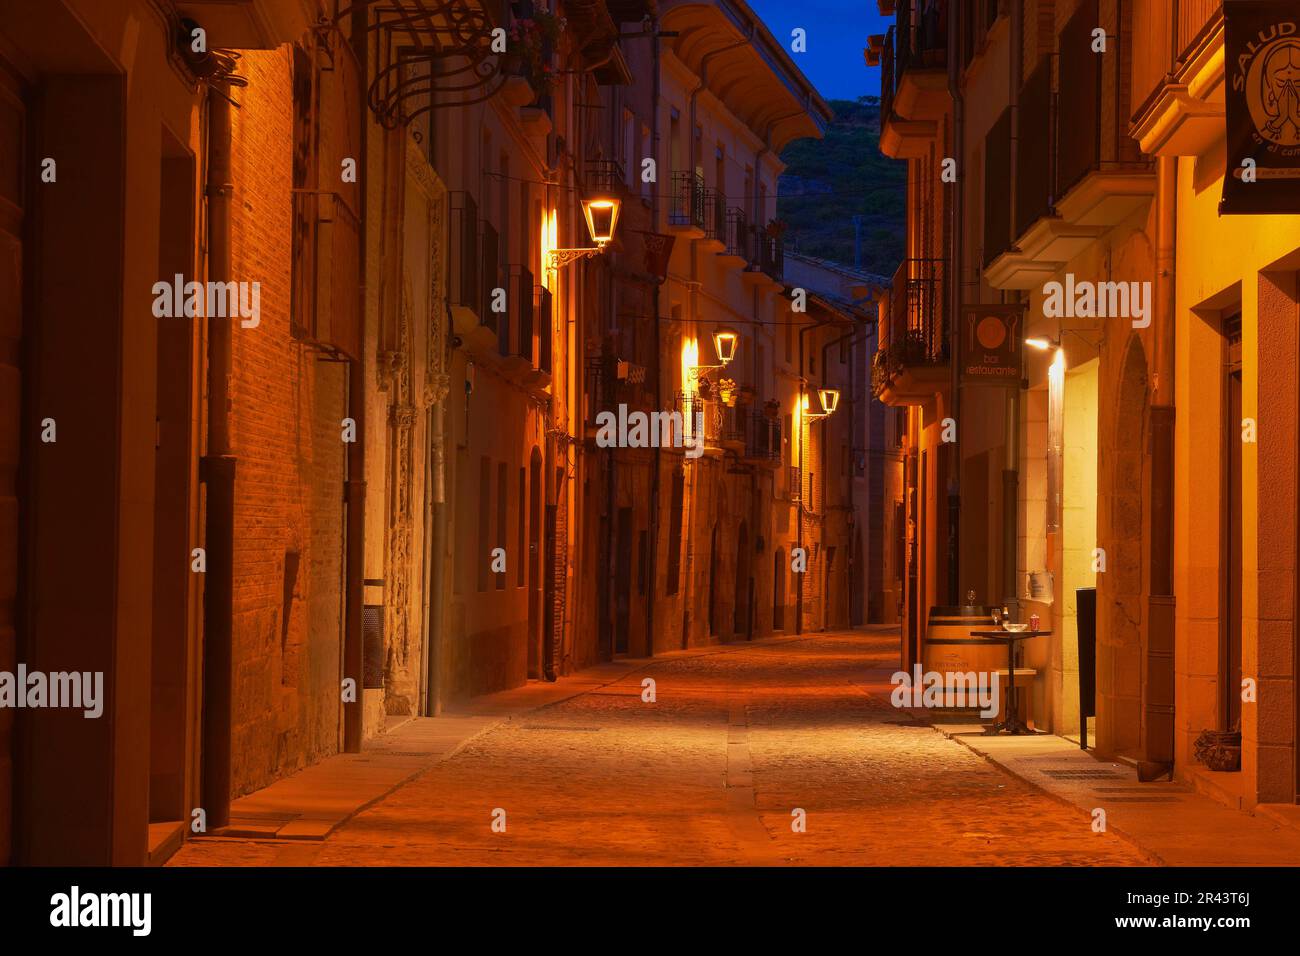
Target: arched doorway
740	623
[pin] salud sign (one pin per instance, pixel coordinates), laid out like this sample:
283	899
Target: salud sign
1262	100
988	344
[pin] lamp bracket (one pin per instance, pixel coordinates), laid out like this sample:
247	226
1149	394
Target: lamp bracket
558	258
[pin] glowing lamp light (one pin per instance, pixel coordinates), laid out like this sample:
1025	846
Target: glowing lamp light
1039	343
724	343
602	218
830	398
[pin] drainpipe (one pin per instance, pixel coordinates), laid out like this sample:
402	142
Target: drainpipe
355	489
1158	719
954	279
217	469
653	584
1011	464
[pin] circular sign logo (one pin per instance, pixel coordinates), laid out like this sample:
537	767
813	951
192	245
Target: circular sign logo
1273	91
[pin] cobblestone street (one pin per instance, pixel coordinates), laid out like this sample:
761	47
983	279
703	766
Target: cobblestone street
709	774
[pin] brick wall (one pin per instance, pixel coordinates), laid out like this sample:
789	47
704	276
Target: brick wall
286	421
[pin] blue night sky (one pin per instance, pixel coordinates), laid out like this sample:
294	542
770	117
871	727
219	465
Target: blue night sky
837	32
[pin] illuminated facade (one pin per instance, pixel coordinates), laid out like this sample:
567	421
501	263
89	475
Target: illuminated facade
1160	334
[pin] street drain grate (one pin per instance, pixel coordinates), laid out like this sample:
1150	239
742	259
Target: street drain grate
1080	774
1142	799
562	727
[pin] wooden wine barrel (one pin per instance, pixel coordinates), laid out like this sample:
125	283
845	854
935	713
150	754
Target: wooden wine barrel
949	648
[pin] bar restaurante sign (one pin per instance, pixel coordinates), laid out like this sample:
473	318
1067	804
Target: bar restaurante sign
989	344
1262	100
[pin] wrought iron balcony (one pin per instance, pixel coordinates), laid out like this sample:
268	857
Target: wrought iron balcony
915	335
701	418
762	438
715	216
736	235
687	208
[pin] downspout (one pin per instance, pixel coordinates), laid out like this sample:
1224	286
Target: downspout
355	488
217	469
1011	464
954	278
652	586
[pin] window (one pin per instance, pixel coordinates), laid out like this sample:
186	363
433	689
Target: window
629	147
521	554
642	154
642	562
503	518
484	521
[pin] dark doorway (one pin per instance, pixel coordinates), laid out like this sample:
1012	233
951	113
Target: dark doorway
740	622
623	581
1230	633
173	579
778	590
13	199
534	565
713	581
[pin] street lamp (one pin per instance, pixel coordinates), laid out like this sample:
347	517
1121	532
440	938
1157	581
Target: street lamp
724	345
601	212
830	399
725	342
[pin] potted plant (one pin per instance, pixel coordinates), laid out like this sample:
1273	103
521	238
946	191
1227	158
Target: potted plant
1219	749
529	44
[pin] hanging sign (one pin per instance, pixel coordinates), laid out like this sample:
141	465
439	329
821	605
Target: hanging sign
988	344
1262	100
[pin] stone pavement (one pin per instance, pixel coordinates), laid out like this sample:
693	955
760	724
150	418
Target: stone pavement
1171	822
779	752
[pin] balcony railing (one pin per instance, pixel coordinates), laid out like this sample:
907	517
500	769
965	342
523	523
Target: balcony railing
917	333
762	438
701	417
767	251
715	215
1090	124
737	233
922	35
888	86
687	207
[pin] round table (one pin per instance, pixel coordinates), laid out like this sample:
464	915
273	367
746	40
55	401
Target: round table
1012	725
